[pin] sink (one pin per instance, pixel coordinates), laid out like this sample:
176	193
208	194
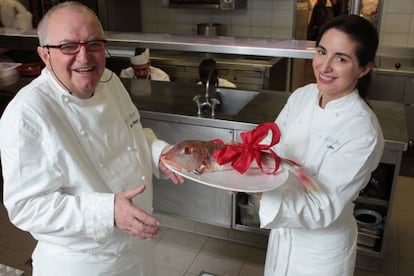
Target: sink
233	100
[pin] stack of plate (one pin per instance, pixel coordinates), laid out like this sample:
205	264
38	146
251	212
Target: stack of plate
8	73
9	271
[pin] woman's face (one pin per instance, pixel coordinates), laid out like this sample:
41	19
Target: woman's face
336	66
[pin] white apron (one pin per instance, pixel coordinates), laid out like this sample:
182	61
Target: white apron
51	260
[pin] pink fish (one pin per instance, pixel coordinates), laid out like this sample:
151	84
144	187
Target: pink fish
199	157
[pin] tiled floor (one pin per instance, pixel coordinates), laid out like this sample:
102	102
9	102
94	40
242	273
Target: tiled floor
187	254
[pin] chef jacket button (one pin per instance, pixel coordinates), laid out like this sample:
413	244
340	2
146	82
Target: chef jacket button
65	99
143	178
129	148
82	132
100	165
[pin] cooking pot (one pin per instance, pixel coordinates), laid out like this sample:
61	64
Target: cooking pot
209	29
367	217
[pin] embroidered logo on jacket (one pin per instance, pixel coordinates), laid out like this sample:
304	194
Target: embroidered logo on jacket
132	119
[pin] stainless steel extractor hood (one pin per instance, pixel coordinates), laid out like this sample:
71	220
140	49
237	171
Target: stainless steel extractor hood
206	4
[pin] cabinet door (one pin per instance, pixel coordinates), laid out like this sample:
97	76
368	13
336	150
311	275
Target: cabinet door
409	116
191	200
409	107
387	87
409	91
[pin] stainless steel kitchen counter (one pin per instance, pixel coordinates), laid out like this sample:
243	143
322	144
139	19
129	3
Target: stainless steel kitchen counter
173	102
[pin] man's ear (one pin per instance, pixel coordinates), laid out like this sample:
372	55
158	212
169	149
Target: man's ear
43	54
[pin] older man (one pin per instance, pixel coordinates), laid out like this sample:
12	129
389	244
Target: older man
77	164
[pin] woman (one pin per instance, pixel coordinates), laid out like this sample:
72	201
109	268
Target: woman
333	133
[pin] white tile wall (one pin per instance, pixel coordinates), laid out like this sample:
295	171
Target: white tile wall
270	19
262	19
397	23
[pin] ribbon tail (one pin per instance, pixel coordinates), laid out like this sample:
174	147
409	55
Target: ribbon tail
302	175
275	158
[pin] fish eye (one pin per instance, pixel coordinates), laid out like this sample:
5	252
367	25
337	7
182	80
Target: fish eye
187	150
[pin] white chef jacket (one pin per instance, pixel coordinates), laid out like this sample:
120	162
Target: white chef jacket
63	159
156	74
314	232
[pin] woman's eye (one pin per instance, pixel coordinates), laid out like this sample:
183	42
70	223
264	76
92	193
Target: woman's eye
341	59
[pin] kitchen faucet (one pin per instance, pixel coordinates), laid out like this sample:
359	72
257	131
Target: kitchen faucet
209	102
208	83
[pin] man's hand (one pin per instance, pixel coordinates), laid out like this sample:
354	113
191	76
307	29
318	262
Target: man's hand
133	220
175	178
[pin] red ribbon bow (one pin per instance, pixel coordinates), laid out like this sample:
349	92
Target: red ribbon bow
242	155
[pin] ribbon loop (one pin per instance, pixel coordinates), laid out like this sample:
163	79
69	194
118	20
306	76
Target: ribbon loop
243	154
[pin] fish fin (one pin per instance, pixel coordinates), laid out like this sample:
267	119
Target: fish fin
202	169
198	171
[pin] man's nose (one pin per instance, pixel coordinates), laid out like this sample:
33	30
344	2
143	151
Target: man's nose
82	51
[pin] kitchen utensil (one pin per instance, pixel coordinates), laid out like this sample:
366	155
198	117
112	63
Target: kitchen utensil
209	29
367	217
367	239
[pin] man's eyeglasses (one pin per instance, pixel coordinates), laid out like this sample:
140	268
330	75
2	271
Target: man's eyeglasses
72	48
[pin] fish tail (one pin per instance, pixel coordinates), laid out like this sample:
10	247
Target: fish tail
302	175
306	179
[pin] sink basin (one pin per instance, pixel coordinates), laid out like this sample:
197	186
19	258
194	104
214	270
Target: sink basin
233	100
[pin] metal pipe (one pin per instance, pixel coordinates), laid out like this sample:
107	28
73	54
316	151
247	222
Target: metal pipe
210	74
355	7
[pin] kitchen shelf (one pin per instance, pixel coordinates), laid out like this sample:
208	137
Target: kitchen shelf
373	201
16	39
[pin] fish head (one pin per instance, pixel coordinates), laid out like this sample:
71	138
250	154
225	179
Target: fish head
187	155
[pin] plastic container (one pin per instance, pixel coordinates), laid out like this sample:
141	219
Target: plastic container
249	215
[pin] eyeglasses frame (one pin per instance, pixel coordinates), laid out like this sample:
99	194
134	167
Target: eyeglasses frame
59	46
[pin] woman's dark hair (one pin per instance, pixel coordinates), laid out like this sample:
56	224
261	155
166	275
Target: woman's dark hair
208	66
364	34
